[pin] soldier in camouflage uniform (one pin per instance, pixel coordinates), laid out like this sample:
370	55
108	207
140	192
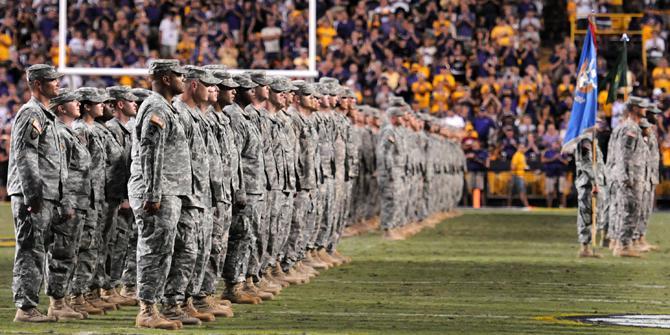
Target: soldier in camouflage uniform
123	107
303	224
627	171
650	180
129	276
249	202
90	248
588	182
391	170
193	241
261	258
65	235
231	176
160	176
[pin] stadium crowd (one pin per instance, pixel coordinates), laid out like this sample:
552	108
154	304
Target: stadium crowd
477	65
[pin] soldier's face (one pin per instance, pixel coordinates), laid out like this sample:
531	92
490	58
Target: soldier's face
129	108
262	93
71	109
325	102
200	91
213	94
227	96
316	103
177	82
277	99
96	110
305	101
49	88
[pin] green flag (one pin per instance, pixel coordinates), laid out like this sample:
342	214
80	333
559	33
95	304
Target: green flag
617	77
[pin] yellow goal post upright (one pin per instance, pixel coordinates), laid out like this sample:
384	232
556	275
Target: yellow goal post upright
311	72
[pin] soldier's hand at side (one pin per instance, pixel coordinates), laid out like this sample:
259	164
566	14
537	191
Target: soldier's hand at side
125	204
595	190
151	207
34	205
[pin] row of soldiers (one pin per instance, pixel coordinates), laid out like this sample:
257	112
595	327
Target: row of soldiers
624	186
249	178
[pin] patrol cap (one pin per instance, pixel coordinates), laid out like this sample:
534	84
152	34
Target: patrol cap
348	93
198	73
644	124
63	96
259	78
42	72
316	88
303	88
219	71
280	84
638	101
141	93
295	84
244	81
165	65
653	108
121	93
397	101
91	94
395	111
329	86
103	93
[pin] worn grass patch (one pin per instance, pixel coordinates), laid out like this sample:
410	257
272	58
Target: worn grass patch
486	272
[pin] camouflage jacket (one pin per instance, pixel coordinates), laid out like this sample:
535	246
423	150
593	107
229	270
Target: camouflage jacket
78	185
96	147
250	144
192	120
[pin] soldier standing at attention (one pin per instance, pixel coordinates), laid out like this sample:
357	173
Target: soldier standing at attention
627	173
124	107
651	178
588	182
390	171
249	202
85	281
160	176
194	231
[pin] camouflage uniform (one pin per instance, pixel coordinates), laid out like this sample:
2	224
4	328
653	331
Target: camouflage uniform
391	174
241	239
326	201
586	179
650	179
285	227
160	172
37	172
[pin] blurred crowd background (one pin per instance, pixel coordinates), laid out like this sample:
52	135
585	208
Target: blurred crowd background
502	71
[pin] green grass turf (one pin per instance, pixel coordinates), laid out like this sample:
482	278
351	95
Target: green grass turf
487	272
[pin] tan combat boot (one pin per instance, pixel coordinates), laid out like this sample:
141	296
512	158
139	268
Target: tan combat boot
393	235
326	257
79	304
62	311
278	273
626	251
585	251
312	271
149	317
113	297
251	289
209	305
32	315
276	277
644	245
345	259
224	302
93	297
235	294
129	292
313	262
191	311
174	312
266	286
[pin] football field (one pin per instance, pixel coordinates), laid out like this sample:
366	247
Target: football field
486	272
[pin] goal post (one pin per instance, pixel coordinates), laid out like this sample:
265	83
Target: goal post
311	72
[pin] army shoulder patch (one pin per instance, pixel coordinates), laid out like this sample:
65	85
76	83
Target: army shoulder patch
155	119
37	125
391	139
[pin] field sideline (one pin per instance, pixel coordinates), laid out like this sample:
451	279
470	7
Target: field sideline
486	272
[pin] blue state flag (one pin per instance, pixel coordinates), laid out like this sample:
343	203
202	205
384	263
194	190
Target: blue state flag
585	105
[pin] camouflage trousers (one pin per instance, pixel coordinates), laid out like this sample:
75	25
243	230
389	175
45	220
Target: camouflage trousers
89	251
279	247
204	244
118	246
343	210
62	253
269	231
303	226
107	234
129	276
36	242
186	246
646	208
155	245
584	213
217	256
392	205
242	239
327	212
627	213
610	221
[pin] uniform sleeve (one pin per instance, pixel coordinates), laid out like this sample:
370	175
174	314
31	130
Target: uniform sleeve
152	147
25	136
630	144
69	189
586	157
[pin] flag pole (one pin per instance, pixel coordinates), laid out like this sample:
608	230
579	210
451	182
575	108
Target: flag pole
594	166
